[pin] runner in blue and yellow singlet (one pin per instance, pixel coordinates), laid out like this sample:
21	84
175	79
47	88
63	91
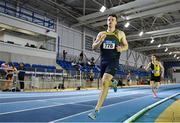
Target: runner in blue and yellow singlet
157	72
111	43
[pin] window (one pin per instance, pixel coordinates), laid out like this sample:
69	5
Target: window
88	42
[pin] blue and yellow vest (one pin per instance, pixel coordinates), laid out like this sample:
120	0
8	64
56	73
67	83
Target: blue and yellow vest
108	47
156	69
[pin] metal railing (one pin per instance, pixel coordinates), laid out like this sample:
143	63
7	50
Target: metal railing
25	14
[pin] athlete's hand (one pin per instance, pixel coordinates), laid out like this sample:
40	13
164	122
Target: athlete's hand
102	37
99	39
119	48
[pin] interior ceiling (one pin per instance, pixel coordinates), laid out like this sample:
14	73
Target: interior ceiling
159	19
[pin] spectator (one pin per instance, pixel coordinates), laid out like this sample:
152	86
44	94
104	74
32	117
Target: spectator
4	65
21	75
10	70
42	47
2	71
120	83
74	64
128	77
33	46
91	77
64	55
27	45
81	55
92	63
82	58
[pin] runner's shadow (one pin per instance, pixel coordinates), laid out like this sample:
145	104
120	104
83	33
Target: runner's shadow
175	98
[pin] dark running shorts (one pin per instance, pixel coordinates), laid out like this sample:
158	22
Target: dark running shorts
155	78
109	67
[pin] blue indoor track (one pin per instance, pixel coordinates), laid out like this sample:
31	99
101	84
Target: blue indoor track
73	106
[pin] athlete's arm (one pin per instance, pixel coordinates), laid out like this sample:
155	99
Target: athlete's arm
124	46
162	69
99	39
147	67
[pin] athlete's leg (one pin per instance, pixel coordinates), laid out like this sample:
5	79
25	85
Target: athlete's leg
104	91
107	72
153	88
156	86
111	69
106	80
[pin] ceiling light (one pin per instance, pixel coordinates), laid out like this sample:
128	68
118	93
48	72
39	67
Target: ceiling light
175	55
152	40
159	45
127	25
166	49
103	8
170	53
141	33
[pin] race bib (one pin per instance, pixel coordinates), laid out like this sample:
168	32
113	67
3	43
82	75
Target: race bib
109	44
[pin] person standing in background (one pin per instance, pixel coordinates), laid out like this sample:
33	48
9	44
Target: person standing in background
64	55
21	75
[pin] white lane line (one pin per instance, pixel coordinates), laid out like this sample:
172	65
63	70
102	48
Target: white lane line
57	120
37	94
74	93
144	110
29	109
111	95
60	104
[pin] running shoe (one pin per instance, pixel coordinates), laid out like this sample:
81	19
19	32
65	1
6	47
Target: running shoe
114	85
93	114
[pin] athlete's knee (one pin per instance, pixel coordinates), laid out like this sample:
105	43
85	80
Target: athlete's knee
106	81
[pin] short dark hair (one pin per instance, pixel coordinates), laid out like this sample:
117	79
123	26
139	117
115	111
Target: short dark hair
113	15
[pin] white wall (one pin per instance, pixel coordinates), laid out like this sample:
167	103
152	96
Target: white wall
70	40
32	59
89	32
4	56
26	59
11	48
20	40
131	58
122	58
140	61
25	25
